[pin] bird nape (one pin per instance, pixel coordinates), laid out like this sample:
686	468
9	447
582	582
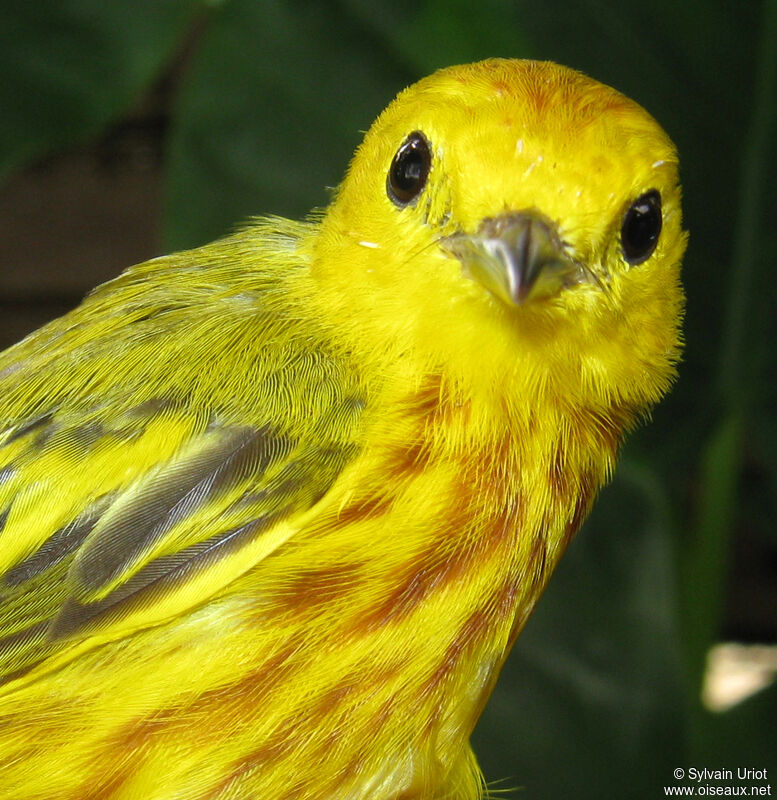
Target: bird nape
274	510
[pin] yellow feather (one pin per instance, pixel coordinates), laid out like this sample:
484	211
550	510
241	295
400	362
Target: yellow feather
274	510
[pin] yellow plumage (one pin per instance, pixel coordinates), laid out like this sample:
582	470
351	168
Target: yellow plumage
273	511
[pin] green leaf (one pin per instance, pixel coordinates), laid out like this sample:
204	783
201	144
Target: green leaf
68	68
270	114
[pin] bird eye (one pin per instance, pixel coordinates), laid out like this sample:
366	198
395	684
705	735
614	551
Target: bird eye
409	170
641	227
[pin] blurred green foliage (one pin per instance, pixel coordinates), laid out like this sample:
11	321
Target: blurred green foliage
600	697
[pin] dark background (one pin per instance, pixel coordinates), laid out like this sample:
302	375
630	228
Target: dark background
128	129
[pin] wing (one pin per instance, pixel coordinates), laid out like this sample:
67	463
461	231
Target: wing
144	481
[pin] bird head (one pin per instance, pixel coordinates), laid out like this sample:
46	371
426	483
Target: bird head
519	221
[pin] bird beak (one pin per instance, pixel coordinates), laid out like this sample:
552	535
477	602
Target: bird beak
516	256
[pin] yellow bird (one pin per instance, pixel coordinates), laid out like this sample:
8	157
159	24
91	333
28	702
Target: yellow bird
274	510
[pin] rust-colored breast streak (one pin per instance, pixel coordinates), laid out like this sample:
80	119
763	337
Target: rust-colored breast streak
312	590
